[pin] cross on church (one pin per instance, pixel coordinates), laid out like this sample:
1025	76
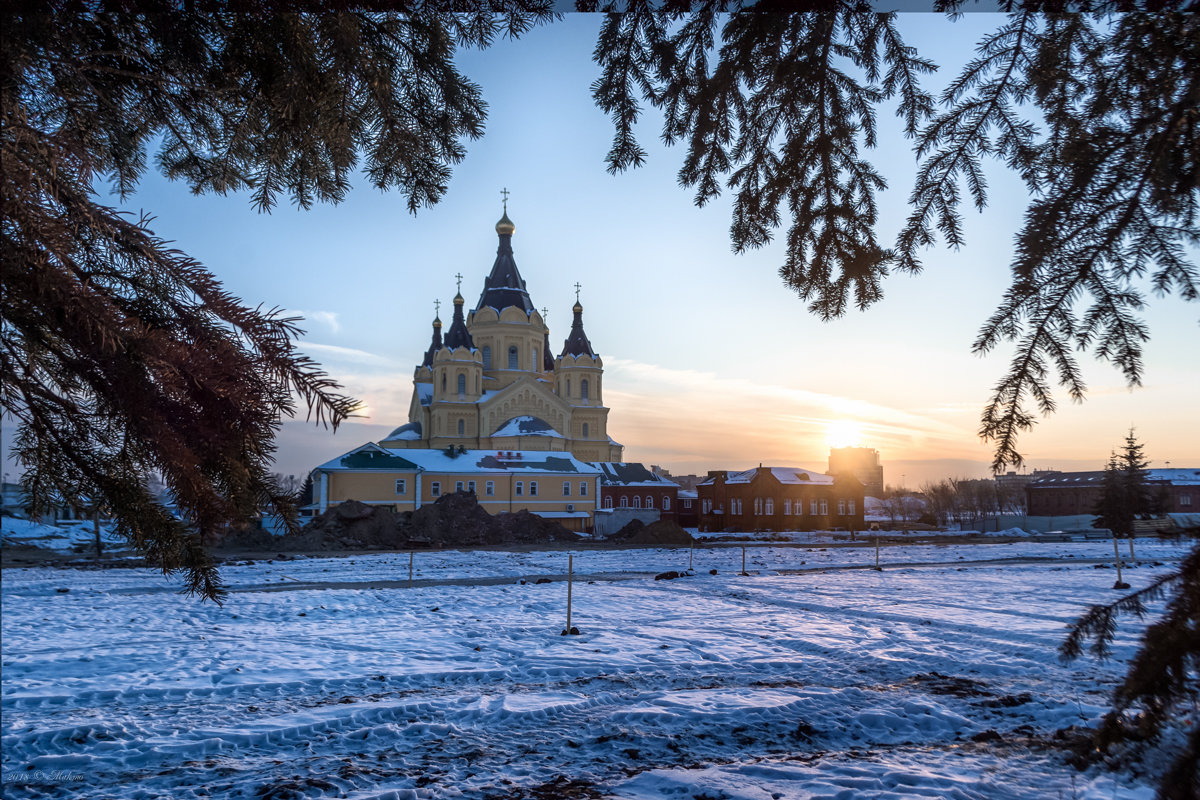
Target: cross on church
437	307
545	313
504	193
459	277
577	288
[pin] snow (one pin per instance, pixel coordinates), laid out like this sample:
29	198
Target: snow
810	677
64	537
785	475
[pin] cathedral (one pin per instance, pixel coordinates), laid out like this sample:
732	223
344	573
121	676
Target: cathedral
495	413
492	382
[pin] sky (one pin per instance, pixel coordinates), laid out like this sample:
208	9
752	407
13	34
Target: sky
710	361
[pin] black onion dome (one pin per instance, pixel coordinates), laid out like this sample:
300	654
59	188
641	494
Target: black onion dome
505	287
577	343
458	335
435	344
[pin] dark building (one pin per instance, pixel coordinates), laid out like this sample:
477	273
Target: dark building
1064	494
780	499
861	463
631	485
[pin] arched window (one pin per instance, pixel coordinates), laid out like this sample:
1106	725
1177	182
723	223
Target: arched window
533	359
568	387
462	384
649	501
608	502
512	357
583	389
637	502
487	356
770	506
666	502
757	506
624	502
443	381
462	426
585	430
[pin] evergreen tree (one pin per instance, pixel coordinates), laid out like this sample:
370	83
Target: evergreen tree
120	357
306	492
1112	507
780	109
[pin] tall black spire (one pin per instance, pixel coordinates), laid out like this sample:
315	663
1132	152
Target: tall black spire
435	344
505	287
458	336
577	343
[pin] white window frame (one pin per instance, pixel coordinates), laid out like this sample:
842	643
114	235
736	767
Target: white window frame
435	489
533	489
583	489
770	507
489	488
519	490
824	508
458	486
841	507
666	502
471	487
401	486
812	507
567	488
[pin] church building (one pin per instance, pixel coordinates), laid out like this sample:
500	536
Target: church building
492	381
493	410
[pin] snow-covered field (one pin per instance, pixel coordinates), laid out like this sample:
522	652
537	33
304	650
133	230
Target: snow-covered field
331	678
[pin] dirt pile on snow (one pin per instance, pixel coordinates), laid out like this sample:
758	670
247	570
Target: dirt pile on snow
454	520
662	532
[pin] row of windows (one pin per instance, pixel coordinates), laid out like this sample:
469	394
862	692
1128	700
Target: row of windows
489	488
766	507
637	502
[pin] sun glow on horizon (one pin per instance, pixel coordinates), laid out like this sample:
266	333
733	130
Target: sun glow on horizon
843	433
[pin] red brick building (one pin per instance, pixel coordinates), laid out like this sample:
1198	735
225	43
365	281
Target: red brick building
689	509
631	485
780	499
1064	494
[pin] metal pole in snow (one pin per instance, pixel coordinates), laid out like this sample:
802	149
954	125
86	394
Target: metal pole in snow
410	568
743	559
1117	553
1132	557
877	554
570	580
691	552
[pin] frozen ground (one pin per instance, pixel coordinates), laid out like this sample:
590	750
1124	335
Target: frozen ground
329	677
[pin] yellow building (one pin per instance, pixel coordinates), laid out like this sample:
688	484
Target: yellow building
556	486
491	392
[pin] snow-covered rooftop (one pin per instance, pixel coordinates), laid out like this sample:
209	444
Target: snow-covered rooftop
785	475
619	473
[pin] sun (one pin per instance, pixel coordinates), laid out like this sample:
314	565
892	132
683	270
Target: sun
843	433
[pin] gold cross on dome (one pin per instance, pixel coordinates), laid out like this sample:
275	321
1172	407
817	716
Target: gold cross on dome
545	313
577	288
504	193
437	307
459	277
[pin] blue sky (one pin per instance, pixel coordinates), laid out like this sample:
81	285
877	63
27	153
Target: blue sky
710	361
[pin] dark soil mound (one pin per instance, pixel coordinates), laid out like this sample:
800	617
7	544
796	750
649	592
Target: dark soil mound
348	526
521	527
454	520
663	532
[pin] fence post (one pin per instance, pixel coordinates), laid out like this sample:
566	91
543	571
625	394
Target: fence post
1120	584
691	552
744	560
1132	557
410	568
570	581
877	567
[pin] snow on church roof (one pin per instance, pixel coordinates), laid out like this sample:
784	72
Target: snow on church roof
527	426
411	431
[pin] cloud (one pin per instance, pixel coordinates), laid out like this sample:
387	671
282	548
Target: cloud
339	353
696	420
327	318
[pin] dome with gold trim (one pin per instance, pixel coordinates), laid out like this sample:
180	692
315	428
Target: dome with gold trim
505	226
